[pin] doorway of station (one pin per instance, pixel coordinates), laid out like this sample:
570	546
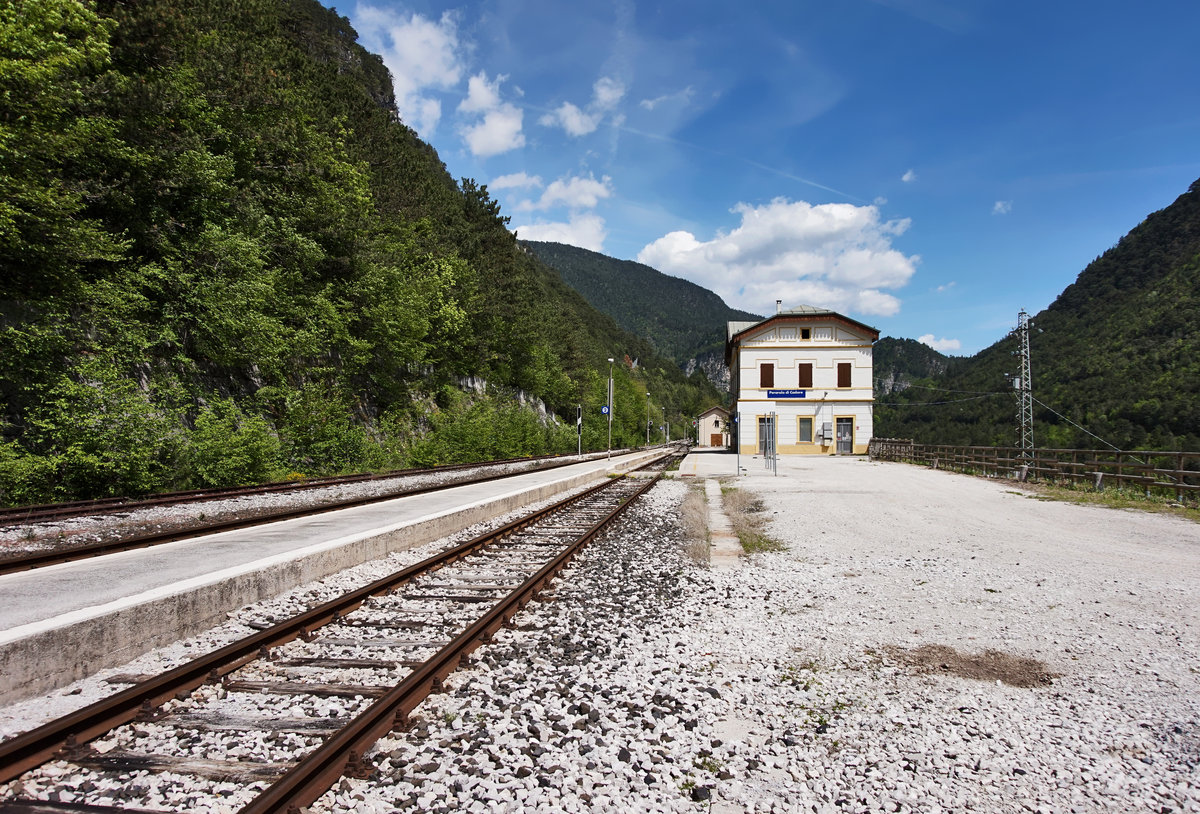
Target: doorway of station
845	436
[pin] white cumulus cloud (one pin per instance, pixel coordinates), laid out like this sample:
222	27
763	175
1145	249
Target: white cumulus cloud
575	121
422	55
836	256
585	230
908	177
499	129
516	180
1001	207
940	345
574	192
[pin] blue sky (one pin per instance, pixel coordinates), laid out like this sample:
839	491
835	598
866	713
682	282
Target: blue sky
929	167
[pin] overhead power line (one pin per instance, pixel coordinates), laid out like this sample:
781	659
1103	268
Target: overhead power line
947	389
933	403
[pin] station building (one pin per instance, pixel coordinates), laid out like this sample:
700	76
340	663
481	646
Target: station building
712	428
807	370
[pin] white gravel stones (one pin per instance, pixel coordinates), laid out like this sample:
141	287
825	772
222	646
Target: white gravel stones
649	684
769	689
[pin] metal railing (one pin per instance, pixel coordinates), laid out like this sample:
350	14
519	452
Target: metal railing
1151	471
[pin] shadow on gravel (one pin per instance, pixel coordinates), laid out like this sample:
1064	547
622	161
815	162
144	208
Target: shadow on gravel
990	665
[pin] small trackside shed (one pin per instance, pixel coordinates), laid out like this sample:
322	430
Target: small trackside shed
712	428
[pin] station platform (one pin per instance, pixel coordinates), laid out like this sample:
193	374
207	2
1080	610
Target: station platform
67	621
705	462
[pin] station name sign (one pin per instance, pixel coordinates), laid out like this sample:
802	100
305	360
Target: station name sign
786	394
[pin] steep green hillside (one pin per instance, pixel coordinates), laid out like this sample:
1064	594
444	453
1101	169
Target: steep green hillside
226	258
680	319
898	363
1117	353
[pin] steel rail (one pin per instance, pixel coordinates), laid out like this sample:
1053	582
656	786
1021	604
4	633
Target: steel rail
41	559
58	511
33	748
343	752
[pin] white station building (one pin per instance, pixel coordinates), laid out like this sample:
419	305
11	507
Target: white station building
803	377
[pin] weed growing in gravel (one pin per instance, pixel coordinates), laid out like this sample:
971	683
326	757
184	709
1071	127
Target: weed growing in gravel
745	515
693	514
1111	498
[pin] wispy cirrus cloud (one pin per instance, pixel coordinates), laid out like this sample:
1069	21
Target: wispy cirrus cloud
682	97
575	121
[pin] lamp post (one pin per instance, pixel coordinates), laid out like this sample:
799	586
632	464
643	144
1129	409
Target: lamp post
610	405
666	438
647	418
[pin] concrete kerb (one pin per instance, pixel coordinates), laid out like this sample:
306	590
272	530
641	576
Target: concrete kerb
726	551
43	656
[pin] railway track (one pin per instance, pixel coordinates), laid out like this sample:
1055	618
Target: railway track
293	708
47	512
67	552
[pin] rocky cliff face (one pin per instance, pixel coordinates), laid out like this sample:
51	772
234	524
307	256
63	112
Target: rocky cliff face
713	366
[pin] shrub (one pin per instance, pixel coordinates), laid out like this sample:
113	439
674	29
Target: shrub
230	448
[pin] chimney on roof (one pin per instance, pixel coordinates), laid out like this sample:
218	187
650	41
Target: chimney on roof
778	306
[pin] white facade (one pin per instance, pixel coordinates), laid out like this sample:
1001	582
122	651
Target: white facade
808	370
712	428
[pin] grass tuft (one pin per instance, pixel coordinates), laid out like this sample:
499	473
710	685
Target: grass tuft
745	515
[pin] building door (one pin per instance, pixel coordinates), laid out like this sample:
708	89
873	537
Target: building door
766	435
845	436
714	440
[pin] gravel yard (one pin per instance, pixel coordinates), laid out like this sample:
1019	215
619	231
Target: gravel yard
828	677
831	676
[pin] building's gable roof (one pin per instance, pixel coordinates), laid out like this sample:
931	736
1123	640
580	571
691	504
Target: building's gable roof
736	331
721	411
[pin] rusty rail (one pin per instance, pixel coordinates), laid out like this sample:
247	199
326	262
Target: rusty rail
31	749
41	559
76	508
321	769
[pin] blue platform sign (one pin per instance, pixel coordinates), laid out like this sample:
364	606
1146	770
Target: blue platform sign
604	410
786	394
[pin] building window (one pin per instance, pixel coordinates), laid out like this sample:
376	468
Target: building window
804	431
766	375
806	333
805	375
844	374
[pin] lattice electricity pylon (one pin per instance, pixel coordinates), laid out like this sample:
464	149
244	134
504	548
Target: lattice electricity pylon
1024	387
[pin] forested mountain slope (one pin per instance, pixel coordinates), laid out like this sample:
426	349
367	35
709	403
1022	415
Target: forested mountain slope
680	319
1117	353
225	258
897	363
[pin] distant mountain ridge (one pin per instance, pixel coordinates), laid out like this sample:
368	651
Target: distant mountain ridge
681	320
1115	358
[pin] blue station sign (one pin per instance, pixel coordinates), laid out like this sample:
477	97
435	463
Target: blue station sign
786	394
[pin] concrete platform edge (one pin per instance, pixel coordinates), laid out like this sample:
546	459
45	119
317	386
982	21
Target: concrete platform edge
52	657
